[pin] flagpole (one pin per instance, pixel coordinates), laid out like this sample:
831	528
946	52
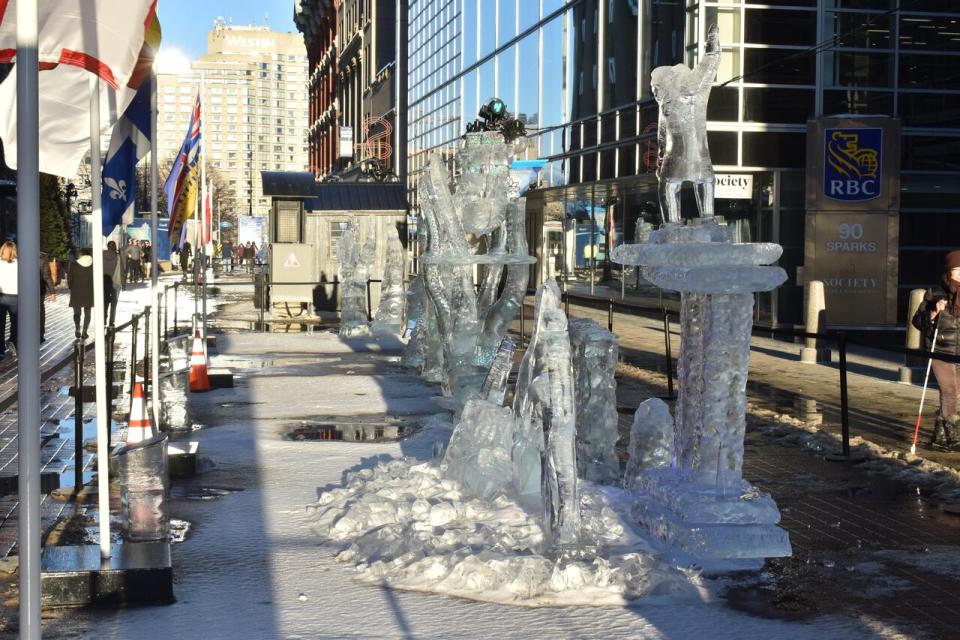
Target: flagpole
28	324
203	183
154	261
103	413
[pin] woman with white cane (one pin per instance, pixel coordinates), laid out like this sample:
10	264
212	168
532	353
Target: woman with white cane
939	320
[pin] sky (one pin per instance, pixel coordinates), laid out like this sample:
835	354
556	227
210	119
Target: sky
185	24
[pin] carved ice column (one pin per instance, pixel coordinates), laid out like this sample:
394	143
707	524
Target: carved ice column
702	504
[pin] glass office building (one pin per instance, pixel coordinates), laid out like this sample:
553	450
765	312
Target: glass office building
578	73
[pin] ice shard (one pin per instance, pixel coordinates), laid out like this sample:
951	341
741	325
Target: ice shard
355	259
651	440
594	351
390	312
544	443
478	454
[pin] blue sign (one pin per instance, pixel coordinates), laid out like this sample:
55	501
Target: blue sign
852	163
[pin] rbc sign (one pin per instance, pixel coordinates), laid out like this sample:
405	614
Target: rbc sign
851	163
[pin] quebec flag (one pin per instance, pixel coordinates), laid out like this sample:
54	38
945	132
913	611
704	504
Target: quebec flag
130	142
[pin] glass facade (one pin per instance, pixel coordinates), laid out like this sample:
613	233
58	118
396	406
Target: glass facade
578	73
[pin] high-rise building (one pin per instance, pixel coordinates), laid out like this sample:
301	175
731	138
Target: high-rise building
255	108
577	73
351	46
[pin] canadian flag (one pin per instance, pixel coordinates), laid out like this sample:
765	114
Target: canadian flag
76	38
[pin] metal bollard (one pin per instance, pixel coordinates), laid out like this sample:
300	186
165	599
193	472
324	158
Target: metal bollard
814	306
78	417
610	316
913	367
566	303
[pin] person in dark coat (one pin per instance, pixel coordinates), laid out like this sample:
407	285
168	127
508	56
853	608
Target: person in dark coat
939	317
112	282
48	289
185	251
80	281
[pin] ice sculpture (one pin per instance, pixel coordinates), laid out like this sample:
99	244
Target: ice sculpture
389	317
355	260
594	351
478	454
682	152
495	386
700	503
472	324
544	443
651	440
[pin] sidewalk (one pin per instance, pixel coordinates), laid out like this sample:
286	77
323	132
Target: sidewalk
872	558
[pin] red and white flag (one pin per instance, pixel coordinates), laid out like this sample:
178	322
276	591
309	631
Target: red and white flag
76	38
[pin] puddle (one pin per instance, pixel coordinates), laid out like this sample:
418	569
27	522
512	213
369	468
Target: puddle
352	431
201	493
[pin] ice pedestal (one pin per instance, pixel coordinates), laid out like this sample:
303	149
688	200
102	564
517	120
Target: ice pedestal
701	503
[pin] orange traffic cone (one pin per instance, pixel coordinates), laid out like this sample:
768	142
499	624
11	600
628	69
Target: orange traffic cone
198	366
138	426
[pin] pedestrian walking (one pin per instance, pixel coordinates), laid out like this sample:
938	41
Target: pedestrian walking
147	254
48	289
112	282
134	267
185	258
80	282
939	315
226	254
8	296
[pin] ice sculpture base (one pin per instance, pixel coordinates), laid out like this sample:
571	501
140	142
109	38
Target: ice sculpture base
718	530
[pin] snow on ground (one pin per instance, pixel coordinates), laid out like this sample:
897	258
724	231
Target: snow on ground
253	567
404	525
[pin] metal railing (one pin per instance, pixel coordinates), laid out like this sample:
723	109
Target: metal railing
841	338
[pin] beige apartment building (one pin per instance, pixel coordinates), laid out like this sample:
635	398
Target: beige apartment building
255	108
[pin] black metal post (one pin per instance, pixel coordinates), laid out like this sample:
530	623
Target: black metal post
844	404
176	288
610	316
78	417
146	354
668	353
566	303
522	306
263	286
369	303
111	336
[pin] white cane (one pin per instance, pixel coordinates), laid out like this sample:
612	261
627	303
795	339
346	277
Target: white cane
923	394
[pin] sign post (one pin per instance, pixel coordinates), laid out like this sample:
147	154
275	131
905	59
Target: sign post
853	217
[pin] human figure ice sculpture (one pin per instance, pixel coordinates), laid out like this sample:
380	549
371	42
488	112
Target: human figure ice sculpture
683	155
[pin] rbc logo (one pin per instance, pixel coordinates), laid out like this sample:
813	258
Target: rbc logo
851	164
